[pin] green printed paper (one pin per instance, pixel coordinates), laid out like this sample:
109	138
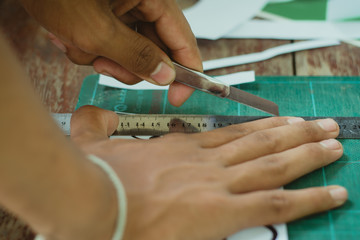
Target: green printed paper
336	10
299	9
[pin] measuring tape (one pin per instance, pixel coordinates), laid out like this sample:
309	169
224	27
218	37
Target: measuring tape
160	124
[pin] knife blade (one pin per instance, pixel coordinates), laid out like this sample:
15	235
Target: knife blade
213	86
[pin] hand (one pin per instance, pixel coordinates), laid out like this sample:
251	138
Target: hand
100	33
210	185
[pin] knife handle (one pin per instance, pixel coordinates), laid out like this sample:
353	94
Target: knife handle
200	81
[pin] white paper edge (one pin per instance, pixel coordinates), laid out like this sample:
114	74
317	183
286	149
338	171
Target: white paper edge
267	54
211	19
260	233
274	17
296	30
230	79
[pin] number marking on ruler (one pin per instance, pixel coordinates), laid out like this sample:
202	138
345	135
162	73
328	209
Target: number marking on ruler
159	124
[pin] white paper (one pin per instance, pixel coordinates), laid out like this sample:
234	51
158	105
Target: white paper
274	17
211	19
261	233
280	1
230	79
267	54
296	30
343	9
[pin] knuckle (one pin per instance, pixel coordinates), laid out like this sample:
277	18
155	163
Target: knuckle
313	149
155	9
275	166
279	204
88	110
239	129
278	121
79	60
94	38
213	200
316	151
174	137
310	130
85	109
144	55
267	139
319	196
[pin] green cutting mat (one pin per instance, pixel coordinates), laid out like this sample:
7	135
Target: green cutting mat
298	96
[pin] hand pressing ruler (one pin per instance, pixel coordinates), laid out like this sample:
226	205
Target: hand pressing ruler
160	124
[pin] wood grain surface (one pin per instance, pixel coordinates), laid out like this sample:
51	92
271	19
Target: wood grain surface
58	81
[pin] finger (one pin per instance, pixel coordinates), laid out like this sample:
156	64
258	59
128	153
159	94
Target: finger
135	53
173	30
279	206
141	56
75	54
276	170
90	124
148	30
112	69
78	56
178	93
175	33
274	140
221	136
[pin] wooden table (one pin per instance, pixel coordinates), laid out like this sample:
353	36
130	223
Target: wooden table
58	81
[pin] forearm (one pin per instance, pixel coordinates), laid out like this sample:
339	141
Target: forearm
43	178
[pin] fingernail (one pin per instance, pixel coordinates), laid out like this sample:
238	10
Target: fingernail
295	120
328	125
339	194
58	44
163	74
331	144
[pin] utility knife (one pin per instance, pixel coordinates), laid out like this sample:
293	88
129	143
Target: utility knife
215	87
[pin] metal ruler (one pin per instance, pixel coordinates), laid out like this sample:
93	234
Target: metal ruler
159	124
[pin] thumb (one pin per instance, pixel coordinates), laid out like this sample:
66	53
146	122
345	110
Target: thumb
138	55
91	124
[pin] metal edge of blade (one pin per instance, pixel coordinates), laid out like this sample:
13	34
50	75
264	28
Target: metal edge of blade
253	101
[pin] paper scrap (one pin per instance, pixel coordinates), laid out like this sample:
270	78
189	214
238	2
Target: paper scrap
274	17
267	54
261	233
296	30
212	19
343	9
230	79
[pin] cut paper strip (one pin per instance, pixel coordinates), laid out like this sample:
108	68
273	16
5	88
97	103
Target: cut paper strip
274	17
211	19
296	30
267	54
230	79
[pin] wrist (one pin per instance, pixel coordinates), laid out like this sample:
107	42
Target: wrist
94	215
